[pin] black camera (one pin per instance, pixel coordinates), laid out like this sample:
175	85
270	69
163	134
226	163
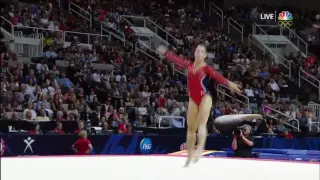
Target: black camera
238	130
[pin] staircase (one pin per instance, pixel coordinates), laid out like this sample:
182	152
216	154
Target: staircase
144	27
29	45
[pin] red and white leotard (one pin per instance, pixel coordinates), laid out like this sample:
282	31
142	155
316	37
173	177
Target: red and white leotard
197	81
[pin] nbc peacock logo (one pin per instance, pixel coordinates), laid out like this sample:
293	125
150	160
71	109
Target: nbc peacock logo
285	19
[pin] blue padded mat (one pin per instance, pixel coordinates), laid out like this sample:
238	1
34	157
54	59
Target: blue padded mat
282	151
218	154
304	158
273	156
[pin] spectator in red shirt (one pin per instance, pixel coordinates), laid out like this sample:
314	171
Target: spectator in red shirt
161	100
58	129
35	130
122	126
80	127
228	110
128	130
83	145
286	135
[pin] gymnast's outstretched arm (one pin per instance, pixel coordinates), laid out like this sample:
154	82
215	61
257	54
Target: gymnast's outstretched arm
172	57
221	80
215	75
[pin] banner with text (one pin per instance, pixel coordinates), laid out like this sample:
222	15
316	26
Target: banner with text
19	145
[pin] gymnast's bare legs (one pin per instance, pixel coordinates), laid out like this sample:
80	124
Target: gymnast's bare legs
197	118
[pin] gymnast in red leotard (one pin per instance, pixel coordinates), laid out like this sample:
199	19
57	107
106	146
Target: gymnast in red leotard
200	100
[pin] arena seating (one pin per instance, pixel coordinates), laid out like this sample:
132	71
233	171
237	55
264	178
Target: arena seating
106	68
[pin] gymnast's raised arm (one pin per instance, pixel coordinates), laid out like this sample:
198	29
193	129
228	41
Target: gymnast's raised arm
172	57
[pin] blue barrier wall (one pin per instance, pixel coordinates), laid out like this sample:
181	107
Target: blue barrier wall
15	145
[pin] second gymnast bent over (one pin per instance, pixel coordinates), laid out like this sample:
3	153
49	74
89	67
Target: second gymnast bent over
200	100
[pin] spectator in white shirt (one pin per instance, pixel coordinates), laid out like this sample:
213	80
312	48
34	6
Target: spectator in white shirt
42	67
96	77
29	109
142	110
274	86
248	90
175	110
119	77
44	21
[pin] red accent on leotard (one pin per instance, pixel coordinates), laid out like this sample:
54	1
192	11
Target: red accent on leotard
197	88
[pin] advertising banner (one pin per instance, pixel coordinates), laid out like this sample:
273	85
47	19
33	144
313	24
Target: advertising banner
42	145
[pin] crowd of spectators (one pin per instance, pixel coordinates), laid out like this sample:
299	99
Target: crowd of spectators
141	89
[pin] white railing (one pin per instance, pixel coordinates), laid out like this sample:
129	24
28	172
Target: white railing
287	32
221	91
84	38
258	30
112	32
304	75
299	42
263	48
314	124
59	2
8	24
236	26
37	33
315	107
297	127
215	9
32	30
168	37
285	63
80	12
144	24
171	121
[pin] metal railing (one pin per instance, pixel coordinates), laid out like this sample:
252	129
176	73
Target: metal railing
297	40
221	91
297	127
285	63
59	2
174	123
217	11
39	33
287	32
258	30
6	25
80	12
315	107
150	48
112	32
304	75
261	47
141	21
67	36
161	32
236	26
266	50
